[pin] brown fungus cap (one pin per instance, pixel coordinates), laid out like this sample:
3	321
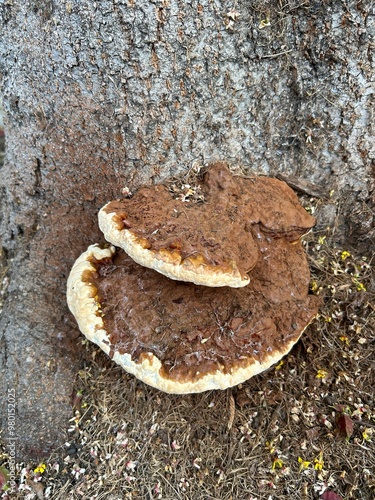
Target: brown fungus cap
209	243
182	338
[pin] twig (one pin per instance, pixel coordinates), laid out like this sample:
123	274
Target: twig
272	56
303	186
232	410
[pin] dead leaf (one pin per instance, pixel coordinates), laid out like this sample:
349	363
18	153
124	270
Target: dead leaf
76	400
313	433
345	425
330	495
37	487
4	477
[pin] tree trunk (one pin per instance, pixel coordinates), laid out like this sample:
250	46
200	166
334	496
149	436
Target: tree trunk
103	95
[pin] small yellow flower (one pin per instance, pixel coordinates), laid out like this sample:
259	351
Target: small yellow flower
270	446
360	287
321	240
318	462
366	434
278	367
264	23
344	339
41	468
303	464
345	254
314	286
321	374
277	463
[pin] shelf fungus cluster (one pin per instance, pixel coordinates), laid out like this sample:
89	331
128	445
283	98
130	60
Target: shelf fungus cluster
190	297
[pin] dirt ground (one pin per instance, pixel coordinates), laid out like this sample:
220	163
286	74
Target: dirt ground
305	429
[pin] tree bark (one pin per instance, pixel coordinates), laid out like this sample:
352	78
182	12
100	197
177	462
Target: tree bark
103	95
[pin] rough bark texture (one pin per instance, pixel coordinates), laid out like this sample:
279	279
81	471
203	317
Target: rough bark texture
102	95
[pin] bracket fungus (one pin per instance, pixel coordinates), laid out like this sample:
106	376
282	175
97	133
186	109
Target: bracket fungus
238	298
210	243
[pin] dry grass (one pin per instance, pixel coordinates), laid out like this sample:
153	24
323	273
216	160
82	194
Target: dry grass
304	427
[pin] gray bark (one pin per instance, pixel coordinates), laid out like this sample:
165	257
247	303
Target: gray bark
102	95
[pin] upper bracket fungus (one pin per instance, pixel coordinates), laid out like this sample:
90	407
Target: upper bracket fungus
172	333
209	243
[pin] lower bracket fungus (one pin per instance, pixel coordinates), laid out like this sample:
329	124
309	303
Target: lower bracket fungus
185	338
